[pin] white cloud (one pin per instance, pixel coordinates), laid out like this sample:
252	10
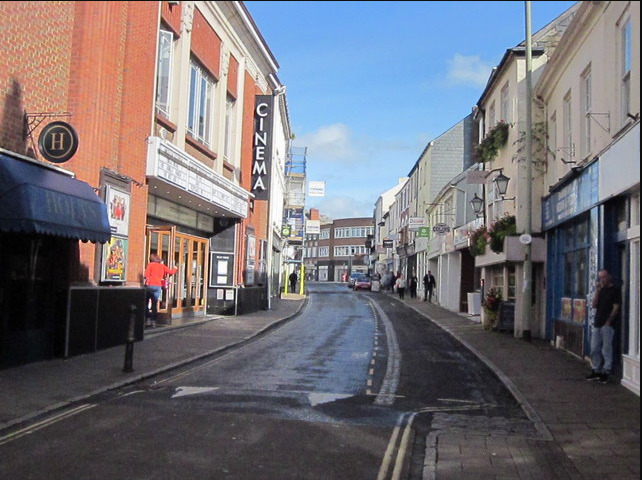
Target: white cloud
468	70
330	143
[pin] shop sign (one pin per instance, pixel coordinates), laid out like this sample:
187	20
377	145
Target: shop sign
440	228
262	146
415	222
58	142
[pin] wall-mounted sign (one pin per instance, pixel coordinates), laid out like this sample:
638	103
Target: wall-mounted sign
313	227
262	146
316	189
441	228
58	142
388	243
415	222
423	232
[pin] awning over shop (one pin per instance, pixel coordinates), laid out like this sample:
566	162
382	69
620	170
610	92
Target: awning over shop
36	199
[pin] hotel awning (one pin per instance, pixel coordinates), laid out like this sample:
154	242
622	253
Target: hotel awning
37	199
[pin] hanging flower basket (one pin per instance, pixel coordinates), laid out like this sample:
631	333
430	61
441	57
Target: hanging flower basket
500	229
494	140
478	240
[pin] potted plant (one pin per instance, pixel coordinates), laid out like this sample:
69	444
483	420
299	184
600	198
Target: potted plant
491	302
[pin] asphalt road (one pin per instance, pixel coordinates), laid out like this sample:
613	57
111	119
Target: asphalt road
349	390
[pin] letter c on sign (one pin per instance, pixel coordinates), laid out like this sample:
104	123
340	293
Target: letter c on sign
261	109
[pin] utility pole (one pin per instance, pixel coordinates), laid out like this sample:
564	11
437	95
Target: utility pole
528	264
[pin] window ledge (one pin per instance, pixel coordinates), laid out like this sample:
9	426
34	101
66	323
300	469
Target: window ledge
200	147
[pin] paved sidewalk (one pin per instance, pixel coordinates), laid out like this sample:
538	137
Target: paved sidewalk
30	390
586	430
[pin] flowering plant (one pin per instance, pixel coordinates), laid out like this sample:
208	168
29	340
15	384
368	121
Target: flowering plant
492	300
499	229
478	240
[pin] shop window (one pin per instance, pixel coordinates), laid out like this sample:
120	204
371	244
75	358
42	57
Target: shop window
573	302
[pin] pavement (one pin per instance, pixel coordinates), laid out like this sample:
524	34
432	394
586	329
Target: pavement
586	430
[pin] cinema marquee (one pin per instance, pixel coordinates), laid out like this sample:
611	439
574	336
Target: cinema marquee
262	146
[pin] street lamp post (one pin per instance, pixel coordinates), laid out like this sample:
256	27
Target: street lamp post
528	265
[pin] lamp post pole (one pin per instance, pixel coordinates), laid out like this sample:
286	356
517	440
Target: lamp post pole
528	265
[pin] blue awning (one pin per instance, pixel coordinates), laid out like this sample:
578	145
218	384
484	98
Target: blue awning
37	199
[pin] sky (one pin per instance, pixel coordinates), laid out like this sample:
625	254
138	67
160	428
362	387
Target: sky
369	84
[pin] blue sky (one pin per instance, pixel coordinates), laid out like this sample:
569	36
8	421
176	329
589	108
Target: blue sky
369	84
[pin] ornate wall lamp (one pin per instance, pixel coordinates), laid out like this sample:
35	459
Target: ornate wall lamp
501	182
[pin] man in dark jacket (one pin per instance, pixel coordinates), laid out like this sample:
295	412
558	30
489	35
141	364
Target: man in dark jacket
606	302
293	278
429	285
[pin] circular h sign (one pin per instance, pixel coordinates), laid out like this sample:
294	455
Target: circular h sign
58	142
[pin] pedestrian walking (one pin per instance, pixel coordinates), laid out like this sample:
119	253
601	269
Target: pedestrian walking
606	302
413	286
154	277
293	278
430	284
400	285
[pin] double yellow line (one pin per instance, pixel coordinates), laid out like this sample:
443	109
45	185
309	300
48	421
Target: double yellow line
45	423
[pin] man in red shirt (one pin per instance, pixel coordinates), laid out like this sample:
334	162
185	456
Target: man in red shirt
154	275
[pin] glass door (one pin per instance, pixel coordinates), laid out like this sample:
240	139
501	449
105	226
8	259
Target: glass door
159	240
190	253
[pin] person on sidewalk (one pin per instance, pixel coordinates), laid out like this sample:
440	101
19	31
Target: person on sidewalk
154	277
606	302
413	286
293	278
429	285
400	285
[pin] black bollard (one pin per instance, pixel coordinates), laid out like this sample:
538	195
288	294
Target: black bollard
131	336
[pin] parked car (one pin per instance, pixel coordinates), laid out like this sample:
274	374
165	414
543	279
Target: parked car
362	283
353	277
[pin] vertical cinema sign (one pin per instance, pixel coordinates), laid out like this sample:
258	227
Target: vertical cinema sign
262	151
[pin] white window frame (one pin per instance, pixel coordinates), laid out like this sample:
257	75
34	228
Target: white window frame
230	129
164	71
586	111
491	117
324	252
201	94
625	69
552	136
504	105
567	128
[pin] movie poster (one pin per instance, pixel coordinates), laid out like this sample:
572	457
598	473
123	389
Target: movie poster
114	260
118	209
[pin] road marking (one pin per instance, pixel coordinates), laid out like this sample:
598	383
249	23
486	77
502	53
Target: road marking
401	449
318	398
185	391
454	408
45	423
391	378
403	446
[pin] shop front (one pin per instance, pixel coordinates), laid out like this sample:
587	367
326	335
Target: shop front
44	212
192	218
